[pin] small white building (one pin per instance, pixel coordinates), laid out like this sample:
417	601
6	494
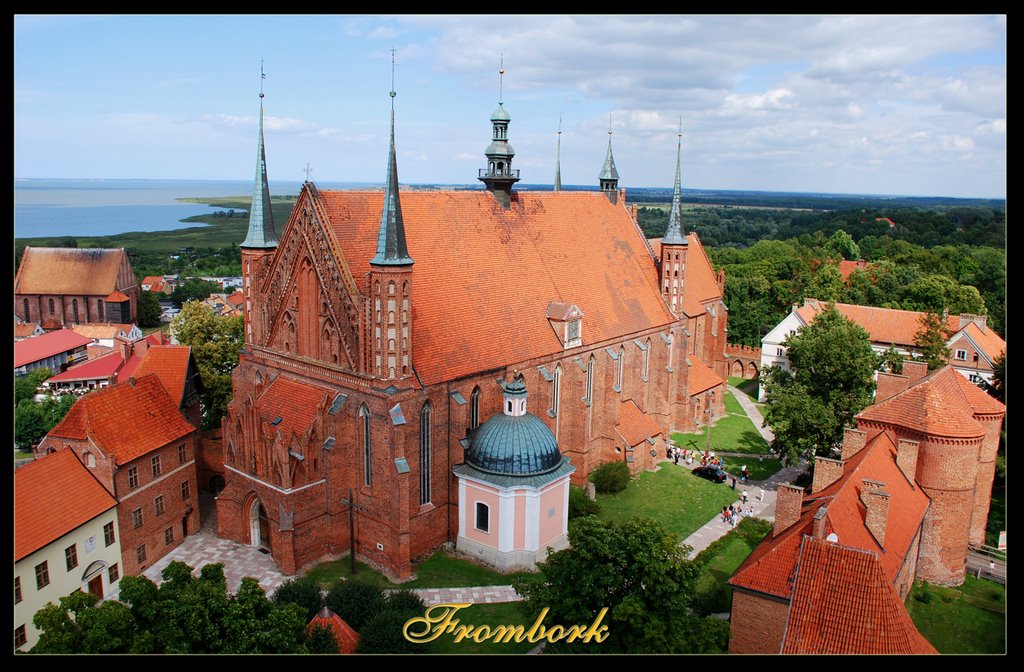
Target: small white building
65	538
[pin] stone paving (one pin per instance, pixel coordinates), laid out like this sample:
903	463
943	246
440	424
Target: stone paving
474	594
239	561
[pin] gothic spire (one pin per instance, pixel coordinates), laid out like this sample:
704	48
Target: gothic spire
261	232
391	249
558	158
498	177
609	177
674	231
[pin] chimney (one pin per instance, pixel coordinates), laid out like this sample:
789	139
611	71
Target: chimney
853	442
788	501
826	472
906	458
122	347
876	501
818	531
980	320
915	371
141	346
634	213
891	384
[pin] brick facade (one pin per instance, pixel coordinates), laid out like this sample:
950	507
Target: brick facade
758	622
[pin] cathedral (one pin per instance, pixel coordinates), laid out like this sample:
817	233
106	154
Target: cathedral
392	338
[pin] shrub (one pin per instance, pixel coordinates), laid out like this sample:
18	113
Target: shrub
302	592
356	602
580	504
924	597
610	477
406	603
383	634
717	600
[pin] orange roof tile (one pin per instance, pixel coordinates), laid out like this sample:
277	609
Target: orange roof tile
25	330
942	403
844	603
701	283
126	420
236	299
43	511
987	340
294	402
848	267
884	325
771	567
701	377
635	426
59	270
116	297
151	280
51	323
347	638
46	345
170	364
158	338
105	366
128	370
101	330
567	247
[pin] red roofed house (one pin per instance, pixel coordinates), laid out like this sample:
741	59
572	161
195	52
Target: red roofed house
176	368
61	543
376	328
54	350
833	577
344	635
848	267
134	440
22	330
156	283
71	286
974	348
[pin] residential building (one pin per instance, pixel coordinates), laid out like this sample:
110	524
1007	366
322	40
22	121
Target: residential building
62	543
23	330
104	334
54	350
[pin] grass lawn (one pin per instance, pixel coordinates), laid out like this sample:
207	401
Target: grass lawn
326	573
758	469
21	455
968	619
745	385
731	434
503	613
713	595
996	513
733	406
678	500
442	570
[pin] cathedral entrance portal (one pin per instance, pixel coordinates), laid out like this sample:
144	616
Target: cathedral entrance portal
259	525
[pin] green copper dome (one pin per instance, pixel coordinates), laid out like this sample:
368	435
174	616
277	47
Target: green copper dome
514	446
500	114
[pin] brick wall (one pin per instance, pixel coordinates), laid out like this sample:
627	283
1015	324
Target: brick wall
757	623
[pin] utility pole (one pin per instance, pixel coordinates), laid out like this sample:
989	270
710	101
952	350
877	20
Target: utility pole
709	412
352	506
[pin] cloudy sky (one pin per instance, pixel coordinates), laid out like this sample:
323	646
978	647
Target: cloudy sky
911	105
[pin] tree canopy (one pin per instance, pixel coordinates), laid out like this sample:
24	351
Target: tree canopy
931	339
216	343
149	310
831	379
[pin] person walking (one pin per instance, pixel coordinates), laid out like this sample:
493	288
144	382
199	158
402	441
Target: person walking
733	482
760	495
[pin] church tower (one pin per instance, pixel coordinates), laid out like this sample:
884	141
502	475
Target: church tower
609	177
260	242
674	244
498	176
558	159
390	283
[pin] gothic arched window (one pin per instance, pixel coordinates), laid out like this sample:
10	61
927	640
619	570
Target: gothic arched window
425	454
618	374
51	307
556	390
364	414
474	408
590	381
74	309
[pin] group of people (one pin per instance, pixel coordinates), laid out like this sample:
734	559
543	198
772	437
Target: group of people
732	514
675	453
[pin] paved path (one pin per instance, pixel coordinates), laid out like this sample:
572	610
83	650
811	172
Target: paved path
475	594
753	413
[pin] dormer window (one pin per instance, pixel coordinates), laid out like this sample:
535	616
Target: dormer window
567	322
572	332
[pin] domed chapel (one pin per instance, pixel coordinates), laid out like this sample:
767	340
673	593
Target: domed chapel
387	333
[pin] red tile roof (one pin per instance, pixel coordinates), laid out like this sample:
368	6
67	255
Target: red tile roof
844	603
701	377
101	330
941	404
347	638
848	267
987	340
771	567
294	402
105	366
125	420
236	299
635	426
701	283
46	345
43	511
58	270
170	364
128	370
158	338
884	325
116	297
25	330
567	247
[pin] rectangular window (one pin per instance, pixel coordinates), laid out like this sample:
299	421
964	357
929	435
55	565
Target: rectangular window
158	504
182	454
780	352
133	478
108	534
17	589
19	636
113	573
961	355
71	556
483	512
156	465
140	554
169	536
42	575
137	518
185	490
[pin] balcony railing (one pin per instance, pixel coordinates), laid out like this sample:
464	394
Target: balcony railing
486	172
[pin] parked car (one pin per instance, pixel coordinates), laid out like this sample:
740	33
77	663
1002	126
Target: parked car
713	474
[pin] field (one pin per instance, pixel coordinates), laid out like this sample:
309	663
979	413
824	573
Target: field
968	619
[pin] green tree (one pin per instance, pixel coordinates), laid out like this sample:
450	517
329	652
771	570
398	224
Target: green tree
194	289
383	634
302	592
998	386
636	569
890	360
216	342
149	310
321	640
931	340
34	419
827	284
831	380
841	244
356	602
25	386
